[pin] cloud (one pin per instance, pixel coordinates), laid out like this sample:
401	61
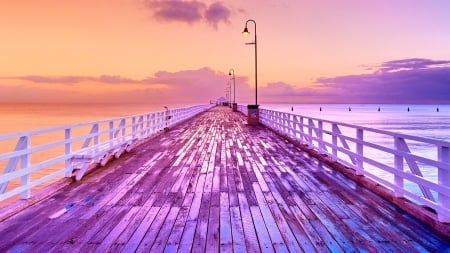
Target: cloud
177	10
186	86
107	79
216	13
400	81
410	64
408	81
52	79
203	83
281	92
189	11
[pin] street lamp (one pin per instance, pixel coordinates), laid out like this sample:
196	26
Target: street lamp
234	90
246	32
234	85
253	111
229	93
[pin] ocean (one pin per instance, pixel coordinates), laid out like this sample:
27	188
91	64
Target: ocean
431	121
24	117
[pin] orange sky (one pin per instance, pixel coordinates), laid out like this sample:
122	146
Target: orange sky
141	50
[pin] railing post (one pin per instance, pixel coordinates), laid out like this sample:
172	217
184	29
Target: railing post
68	150
359	152
286	124
310	131
25	162
291	126
334	138
302	130
96	136
398	163
153	123
296	126
147	128
444	180
320	136
133	127
140	127
111	134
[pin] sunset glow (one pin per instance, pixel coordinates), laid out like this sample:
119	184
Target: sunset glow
135	51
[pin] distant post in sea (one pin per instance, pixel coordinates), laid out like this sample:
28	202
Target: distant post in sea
253	110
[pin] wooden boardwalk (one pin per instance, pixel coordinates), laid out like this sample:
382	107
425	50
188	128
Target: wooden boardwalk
215	184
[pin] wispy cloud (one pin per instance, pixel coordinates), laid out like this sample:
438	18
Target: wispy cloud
107	79
198	85
189	11
52	79
411	64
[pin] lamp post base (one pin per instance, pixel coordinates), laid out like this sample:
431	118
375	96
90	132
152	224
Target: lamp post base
253	115
234	107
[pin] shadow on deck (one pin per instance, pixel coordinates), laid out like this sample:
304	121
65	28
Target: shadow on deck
215	184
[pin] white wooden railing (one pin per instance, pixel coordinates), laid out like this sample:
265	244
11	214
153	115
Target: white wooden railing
413	167
34	158
243	109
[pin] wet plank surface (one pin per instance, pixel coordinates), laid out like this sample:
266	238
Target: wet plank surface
214	184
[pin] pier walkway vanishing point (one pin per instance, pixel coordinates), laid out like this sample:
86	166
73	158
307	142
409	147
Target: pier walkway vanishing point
215	184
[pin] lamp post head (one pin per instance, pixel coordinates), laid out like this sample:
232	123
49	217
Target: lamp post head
245	32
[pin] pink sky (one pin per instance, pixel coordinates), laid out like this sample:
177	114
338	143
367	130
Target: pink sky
145	51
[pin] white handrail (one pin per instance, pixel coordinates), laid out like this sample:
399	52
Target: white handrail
33	161
400	168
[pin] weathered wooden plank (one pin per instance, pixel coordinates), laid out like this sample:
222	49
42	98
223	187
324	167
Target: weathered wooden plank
269	220
333	224
117	230
248	224
166	215
237	230
213	236
284	228
265	243
191	224
226	241
199	243
142	229
174	239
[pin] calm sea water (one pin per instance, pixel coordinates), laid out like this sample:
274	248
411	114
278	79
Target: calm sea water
432	121
23	117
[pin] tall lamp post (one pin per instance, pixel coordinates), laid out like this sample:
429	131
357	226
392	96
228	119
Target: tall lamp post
253	111
228	91
234	90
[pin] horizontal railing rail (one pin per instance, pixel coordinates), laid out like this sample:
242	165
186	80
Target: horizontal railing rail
413	167
33	158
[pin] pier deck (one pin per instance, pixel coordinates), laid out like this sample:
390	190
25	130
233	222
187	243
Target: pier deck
215	184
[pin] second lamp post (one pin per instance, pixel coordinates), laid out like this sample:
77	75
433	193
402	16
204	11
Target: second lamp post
253	111
234	90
